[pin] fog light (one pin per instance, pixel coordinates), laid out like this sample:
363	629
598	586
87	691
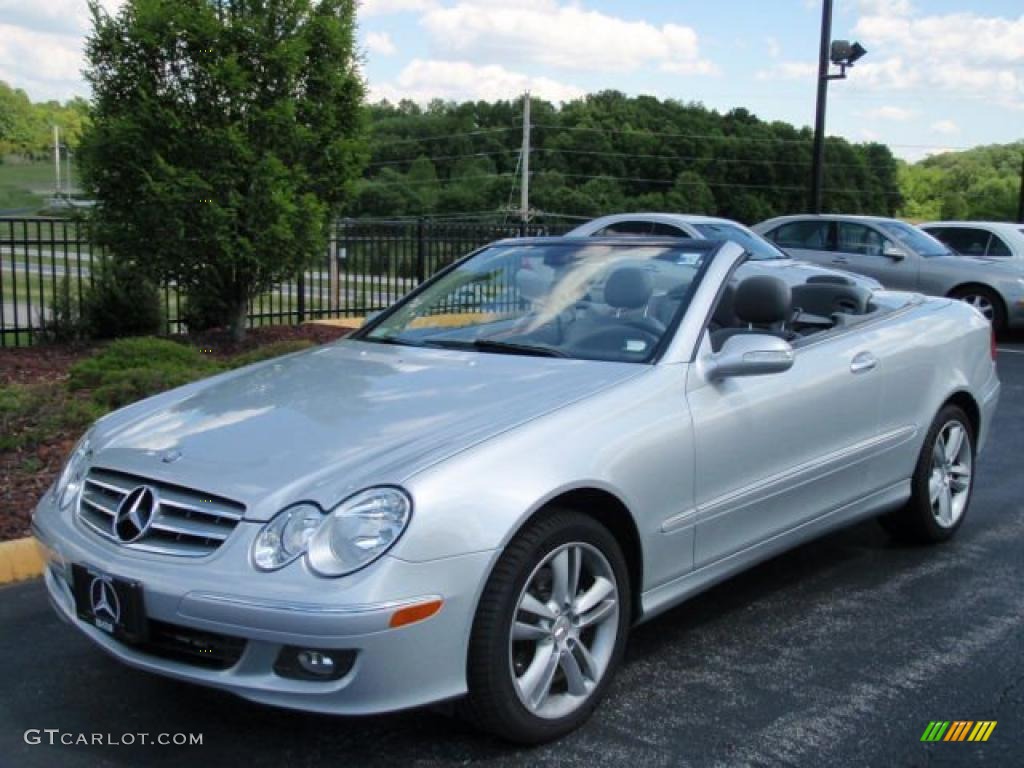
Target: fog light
314	663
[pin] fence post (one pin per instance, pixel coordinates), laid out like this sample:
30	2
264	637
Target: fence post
300	286
421	250
522	229
334	289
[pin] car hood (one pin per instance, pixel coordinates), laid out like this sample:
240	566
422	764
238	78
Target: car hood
322	424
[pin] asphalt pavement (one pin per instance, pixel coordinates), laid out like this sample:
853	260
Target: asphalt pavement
838	653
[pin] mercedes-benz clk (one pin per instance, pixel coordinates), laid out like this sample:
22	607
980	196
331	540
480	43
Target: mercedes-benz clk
476	496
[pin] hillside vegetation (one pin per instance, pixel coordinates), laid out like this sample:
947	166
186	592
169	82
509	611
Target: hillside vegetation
609	152
978	184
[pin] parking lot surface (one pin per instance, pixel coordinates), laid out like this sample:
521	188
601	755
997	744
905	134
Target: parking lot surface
838	653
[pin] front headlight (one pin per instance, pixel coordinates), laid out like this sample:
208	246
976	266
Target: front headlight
350	537
73	475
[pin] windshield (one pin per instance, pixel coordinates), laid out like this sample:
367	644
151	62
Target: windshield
588	300
758	248
915	239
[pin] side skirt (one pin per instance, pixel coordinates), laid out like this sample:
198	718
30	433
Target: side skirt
667	595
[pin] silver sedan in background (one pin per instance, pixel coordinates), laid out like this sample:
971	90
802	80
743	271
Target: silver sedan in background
481	492
905	258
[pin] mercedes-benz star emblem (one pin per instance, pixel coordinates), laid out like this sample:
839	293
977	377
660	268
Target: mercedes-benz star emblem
106	608
135	514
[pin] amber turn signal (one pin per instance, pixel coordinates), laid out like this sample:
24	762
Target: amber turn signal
410	614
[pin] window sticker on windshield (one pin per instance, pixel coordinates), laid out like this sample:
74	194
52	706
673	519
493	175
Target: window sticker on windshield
689	259
636	345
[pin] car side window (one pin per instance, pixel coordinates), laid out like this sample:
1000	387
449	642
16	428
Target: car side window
637	228
967	241
860	240
667	230
996	247
812	235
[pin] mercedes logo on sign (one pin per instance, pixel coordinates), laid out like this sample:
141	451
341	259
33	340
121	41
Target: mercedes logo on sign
135	514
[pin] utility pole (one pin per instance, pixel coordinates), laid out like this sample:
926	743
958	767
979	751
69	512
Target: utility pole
1020	205
56	155
818	161
524	186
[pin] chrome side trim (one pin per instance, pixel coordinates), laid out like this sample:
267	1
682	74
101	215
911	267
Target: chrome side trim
803	473
674	523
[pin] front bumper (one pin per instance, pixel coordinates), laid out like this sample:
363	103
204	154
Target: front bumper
394	669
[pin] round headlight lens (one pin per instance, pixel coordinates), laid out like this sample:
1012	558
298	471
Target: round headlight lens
359	530
73	475
286	536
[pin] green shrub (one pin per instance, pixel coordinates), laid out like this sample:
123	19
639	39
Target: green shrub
205	309
64	324
121	302
31	415
131	369
276	349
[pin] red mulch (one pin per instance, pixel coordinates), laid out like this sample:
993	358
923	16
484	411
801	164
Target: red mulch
25	475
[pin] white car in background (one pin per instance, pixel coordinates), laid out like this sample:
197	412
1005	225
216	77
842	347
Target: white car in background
991	239
765	256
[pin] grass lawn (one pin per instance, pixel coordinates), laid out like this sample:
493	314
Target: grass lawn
25	184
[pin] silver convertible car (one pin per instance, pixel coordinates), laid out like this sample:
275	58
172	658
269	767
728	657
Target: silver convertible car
476	496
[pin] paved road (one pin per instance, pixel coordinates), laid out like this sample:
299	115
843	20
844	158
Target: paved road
838	653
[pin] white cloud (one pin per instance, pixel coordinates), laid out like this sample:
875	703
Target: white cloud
422	80
380	43
945	127
565	36
47	66
962	53
386	7
888	112
789	70
774	49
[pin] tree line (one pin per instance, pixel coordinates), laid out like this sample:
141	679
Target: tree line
609	152
977	184
26	127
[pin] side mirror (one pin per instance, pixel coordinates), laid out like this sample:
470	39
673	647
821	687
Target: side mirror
752	354
894	253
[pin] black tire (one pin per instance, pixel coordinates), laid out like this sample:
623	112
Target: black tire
916	522
972	292
492	702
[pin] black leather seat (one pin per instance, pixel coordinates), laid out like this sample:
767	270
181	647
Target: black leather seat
827	299
763	303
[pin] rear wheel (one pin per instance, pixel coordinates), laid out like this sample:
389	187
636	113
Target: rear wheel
942	482
550	630
985	301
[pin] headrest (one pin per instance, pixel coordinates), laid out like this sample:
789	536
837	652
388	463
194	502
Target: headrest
628	288
825	299
762	300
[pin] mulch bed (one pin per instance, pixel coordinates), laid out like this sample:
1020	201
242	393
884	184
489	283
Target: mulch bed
25	475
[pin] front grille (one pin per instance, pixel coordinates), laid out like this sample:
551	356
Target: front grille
184	522
191	646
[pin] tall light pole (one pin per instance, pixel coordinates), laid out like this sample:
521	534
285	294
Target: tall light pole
843	54
524	163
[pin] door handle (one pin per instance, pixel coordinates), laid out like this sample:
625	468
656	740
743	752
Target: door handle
863	362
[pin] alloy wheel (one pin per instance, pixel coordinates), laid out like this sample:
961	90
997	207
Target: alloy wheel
982	304
949	485
564	630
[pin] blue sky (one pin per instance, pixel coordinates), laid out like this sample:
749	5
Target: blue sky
940	74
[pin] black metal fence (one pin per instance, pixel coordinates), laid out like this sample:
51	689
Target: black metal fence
369	264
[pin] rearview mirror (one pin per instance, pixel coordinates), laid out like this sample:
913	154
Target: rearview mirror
894	253
750	354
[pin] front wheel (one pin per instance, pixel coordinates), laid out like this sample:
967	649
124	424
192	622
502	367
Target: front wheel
942	482
550	630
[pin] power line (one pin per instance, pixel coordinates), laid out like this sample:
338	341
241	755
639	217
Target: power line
440	137
725	184
711	159
434	158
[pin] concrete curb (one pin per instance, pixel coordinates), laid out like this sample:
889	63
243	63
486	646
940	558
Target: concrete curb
20	559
